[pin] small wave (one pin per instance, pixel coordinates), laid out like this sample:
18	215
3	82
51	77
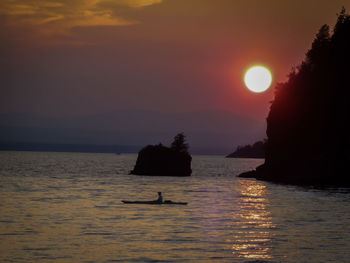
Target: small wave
98	234
203	191
7	221
102	206
36	249
111	218
11	234
146	259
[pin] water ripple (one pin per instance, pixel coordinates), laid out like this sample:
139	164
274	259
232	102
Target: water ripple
66	207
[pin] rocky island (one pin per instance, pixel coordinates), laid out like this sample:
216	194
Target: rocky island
308	125
160	160
257	150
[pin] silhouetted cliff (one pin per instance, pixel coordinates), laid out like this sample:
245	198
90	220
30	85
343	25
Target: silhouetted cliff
309	119
164	161
257	150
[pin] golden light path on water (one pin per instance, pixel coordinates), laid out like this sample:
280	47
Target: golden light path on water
254	221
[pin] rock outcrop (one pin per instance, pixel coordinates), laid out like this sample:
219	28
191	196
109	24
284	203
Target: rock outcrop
257	150
308	125
159	160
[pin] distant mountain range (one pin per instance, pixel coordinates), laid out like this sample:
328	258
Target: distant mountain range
207	132
60	147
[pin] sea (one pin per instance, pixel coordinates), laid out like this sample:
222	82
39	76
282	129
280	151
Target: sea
66	207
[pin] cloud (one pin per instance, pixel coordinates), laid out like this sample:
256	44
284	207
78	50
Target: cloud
45	19
138	3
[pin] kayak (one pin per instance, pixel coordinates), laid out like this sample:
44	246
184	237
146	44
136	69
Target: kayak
166	202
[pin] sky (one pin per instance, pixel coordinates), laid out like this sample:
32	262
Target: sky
72	58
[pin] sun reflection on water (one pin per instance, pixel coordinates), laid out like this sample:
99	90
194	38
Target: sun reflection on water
252	218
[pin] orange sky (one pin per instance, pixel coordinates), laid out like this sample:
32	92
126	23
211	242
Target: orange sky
81	57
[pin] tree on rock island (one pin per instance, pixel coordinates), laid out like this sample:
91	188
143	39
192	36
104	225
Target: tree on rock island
179	144
159	160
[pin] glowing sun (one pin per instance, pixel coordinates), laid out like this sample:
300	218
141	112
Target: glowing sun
258	79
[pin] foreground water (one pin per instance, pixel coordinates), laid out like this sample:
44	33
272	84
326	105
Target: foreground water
66	207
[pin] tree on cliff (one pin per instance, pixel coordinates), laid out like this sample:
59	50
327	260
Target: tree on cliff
309	119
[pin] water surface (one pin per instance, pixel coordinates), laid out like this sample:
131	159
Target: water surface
66	207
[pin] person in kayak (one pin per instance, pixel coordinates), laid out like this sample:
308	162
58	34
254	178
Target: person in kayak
160	197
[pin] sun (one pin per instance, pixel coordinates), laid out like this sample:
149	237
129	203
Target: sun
258	79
